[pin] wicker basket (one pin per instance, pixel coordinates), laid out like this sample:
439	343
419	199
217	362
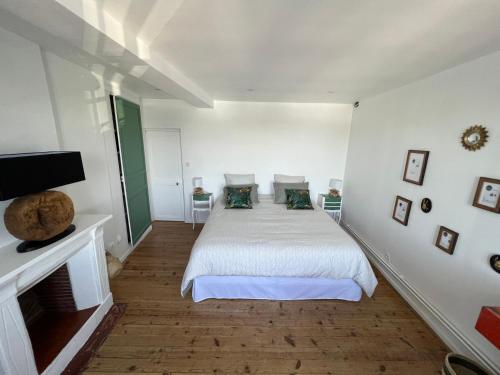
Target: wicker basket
456	364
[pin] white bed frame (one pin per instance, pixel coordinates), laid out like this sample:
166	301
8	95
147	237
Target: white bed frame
274	288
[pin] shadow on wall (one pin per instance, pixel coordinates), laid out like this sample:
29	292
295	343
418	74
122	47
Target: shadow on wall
84	123
133	25
98	102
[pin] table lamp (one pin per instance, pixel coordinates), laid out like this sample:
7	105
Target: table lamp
197	185
39	216
335	187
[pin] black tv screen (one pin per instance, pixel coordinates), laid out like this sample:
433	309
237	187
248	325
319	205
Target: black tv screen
29	173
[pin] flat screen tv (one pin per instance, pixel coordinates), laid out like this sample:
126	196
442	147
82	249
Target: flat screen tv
29	173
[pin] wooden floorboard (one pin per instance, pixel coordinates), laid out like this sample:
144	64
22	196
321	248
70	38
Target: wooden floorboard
163	333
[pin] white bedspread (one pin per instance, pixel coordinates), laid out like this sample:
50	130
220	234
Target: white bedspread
270	240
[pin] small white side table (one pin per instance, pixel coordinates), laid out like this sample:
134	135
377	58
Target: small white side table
201	203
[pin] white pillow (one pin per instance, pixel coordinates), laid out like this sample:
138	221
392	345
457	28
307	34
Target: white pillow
288	179
239	179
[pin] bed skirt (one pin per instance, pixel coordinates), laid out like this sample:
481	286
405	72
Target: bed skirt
274	288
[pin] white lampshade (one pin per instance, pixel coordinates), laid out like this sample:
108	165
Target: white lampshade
336	184
197	182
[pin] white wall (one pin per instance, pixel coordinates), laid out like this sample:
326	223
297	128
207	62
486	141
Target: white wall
83	116
26	119
52	104
431	115
260	138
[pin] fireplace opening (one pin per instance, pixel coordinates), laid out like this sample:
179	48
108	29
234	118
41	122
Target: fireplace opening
51	316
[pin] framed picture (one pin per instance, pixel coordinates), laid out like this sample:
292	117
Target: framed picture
416	162
402	208
488	194
426	205
446	239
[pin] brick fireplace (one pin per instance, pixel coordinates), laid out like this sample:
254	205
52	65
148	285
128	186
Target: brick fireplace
52	299
49	311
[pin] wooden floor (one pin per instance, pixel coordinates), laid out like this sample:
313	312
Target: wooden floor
162	333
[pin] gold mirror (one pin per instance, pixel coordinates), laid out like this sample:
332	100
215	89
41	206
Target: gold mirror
474	137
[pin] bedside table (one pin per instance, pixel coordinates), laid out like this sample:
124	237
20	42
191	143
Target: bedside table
201	203
333	205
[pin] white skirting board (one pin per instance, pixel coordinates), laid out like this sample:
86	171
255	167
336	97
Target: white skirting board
443	327
132	248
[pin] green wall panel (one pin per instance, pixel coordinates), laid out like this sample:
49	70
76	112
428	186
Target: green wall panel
128	116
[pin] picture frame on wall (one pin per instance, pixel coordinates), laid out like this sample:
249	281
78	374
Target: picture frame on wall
401	211
446	239
416	164
487	194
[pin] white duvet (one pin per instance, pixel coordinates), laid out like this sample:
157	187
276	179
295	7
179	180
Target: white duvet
270	240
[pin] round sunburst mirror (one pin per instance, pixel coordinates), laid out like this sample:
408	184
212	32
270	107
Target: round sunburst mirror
474	137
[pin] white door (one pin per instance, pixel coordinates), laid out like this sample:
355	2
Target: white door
163	148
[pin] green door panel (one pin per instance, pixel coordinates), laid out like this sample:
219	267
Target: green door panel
128	116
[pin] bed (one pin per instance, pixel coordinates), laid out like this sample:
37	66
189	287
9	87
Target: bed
269	252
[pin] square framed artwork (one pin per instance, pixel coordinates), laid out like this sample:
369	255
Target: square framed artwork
446	239
488	194
402	208
416	163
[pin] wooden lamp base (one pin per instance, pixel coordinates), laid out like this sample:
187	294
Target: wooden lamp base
40	219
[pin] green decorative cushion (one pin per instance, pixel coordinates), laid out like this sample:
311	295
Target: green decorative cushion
254	194
239	197
298	199
280	187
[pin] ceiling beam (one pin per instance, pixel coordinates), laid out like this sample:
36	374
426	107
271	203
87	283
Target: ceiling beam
85	25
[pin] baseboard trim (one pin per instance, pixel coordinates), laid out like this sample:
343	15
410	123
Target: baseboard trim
131	249
442	326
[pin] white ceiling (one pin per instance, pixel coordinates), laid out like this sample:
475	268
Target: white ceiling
310	50
260	50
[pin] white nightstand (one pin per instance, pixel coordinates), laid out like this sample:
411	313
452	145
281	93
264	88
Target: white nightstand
201	203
